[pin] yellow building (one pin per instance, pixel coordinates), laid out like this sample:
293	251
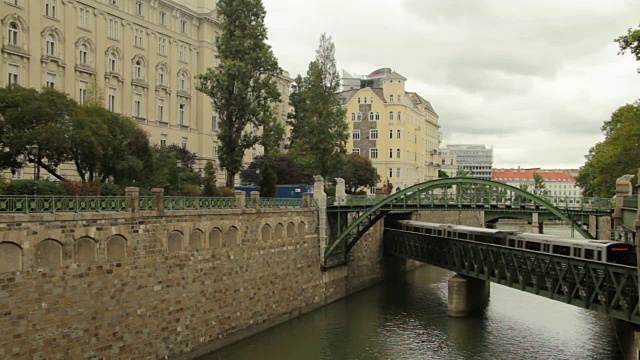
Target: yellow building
398	130
141	55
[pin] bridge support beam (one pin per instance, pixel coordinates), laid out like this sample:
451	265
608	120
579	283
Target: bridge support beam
467	296
536	224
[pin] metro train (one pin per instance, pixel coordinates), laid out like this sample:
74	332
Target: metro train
604	251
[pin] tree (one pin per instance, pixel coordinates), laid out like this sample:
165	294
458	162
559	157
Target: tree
318	119
209	180
462	173
539	185
268	181
617	155
358	172
283	165
631	43
442	174
242	86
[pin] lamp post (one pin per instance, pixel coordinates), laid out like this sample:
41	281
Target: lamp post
33	149
179	164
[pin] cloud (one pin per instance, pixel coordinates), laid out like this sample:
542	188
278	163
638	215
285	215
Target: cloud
534	78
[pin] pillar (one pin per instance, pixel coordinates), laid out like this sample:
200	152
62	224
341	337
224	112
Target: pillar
158	194
467	296
132	194
321	200
341	192
604	228
536	226
306	200
255	199
240	200
623	188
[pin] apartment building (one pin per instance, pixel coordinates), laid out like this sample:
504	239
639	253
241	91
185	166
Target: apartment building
396	129
557	183
475	160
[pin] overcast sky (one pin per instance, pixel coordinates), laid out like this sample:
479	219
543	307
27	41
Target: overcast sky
535	79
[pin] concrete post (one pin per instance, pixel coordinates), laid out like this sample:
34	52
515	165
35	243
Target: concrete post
593	226
467	296
535	224
341	193
306	200
158	193
623	188
132	194
321	200
240	200
604	228
255	199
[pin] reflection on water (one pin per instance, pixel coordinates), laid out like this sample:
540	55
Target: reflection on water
405	318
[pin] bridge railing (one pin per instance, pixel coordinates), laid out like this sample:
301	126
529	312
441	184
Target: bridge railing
630	202
197	202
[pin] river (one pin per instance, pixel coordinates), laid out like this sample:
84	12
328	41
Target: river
405	318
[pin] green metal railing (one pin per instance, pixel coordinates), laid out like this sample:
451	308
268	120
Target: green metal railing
630	202
55	204
280	203
197	202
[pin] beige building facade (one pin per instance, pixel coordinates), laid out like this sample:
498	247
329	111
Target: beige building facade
396	129
138	57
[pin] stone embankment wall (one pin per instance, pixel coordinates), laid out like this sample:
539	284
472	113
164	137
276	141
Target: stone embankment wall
144	286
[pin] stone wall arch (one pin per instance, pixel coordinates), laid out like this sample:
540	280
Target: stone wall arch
48	253
302	229
266	232
291	231
231	237
196	240
279	231
116	248
174	242
215	238
85	250
10	257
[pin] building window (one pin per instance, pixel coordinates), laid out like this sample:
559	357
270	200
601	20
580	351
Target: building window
355	135
377	117
82	95
13	34
162	75
85	18
356	151
183	26
358	100
365	100
163	140
182	81
112	99
163	18
162	46
14	74
84	54
391	134
390	153
214	122
398	153
137	105
373	153
353	116
138	38
183	53
139	7
51	8
390	115
137	69
113	28
13	2
51	80
397	172
371	116
399	115
182	114
390	98
113	2
161	110
398	133
373	134
358	116
390	172
184	142
51	45
399	98
113	63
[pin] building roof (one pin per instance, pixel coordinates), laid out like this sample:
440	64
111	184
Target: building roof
527	175
394	76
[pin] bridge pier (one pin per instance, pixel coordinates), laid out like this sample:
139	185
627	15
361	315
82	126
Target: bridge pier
536	224
467	296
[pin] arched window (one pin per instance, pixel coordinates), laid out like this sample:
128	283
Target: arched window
13	34
84	54
138	69
162	75
51	45
113	62
183	82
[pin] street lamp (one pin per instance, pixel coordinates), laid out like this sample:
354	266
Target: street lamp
33	150
179	164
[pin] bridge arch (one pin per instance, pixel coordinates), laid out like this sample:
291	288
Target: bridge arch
356	228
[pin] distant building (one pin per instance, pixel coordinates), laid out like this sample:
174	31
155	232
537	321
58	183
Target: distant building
449	161
556	183
397	129
476	160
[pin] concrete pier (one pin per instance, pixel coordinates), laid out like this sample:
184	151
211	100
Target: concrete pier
467	296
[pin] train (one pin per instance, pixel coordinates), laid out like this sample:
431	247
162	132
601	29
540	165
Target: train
604	251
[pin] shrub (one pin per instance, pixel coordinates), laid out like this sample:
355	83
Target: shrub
191	190
227	192
111	189
26	187
79	188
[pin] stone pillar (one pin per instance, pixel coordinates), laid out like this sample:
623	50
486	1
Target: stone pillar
255	199
535	224
240	200
158	193
593	226
623	188
467	296
341	193
132	194
306	200
321	200
604	228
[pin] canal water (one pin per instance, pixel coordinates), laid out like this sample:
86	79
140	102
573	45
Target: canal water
405	318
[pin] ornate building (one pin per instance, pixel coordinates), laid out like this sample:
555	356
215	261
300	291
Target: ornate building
138	57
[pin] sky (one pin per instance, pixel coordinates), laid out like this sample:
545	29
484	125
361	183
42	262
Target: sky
533	79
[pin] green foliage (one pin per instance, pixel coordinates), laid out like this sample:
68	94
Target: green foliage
268	181
111	189
631	43
209	180
539	186
283	165
617	155
166	170
26	187
81	188
462	173
242	87
442	175
318	119
358	172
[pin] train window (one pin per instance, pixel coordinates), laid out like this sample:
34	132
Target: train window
480	238
520	243
449	234
428	231
512	243
546	247
462	236
529	245
439	232
561	250
588	254
599	253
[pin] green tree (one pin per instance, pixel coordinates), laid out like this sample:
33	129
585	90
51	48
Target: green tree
242	87
631	43
462	173
539	185
318	119
358	172
617	155
286	169
442	174
209	180
268	181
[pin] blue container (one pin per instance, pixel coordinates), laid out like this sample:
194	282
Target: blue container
282	191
